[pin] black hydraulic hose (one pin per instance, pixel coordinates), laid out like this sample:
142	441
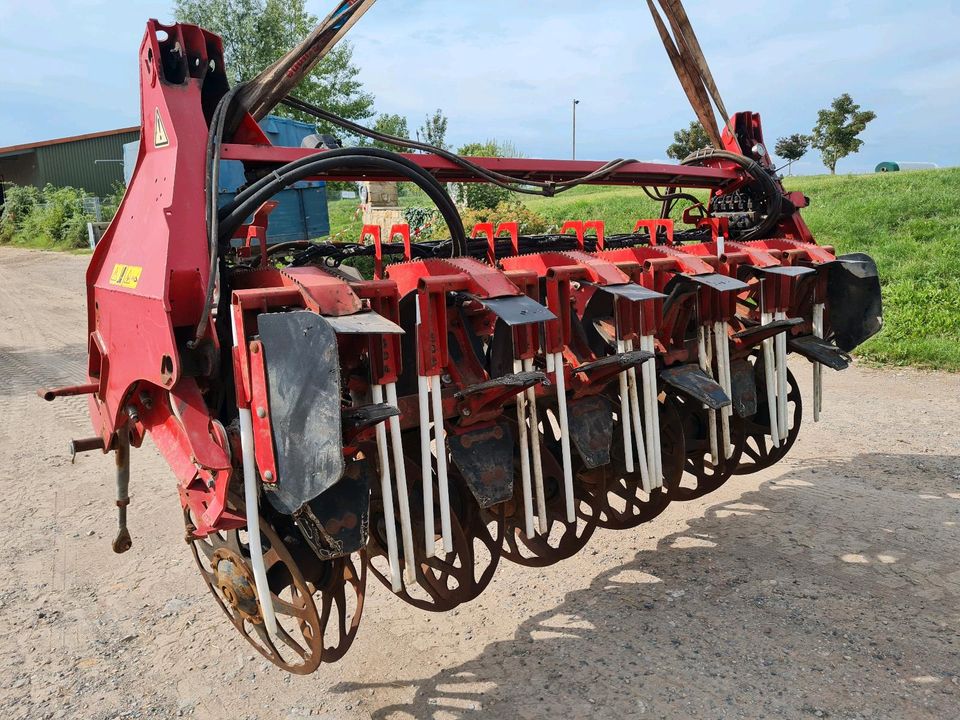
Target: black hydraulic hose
214	140
760	175
339	152
327	163
508	182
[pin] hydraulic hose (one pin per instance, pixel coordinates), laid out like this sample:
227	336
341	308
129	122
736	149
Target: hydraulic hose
338	160
762	178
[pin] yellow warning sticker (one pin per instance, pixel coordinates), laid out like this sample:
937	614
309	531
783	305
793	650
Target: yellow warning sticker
127	276
160	138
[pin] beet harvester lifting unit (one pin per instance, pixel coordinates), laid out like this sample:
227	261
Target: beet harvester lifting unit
489	397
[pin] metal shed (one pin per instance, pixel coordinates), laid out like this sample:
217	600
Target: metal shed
92	162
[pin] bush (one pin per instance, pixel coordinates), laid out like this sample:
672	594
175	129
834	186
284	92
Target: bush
52	217
530	221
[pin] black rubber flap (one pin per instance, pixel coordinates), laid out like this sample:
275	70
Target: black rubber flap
591	429
303	387
692	381
856	307
821	351
485	459
517	310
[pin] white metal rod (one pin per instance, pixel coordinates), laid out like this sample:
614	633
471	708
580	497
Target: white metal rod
650	367
769	371
252	504
625	415
535	447
565	437
549	362
386	492
781	349
817	367
644	453
440	439
400	468
524	442
704	350
426	465
720	343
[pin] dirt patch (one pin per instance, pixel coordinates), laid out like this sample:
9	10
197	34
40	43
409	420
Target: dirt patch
827	586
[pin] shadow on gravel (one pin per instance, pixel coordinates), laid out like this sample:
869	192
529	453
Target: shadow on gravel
815	596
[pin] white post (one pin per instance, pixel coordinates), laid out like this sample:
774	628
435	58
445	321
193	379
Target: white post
723	374
426	466
644	453
440	439
769	371
565	437
386	491
817	367
400	467
704	351
524	443
650	387
625	414
535	446
781	349
252	504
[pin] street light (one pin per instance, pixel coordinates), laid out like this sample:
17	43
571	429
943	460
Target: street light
575	103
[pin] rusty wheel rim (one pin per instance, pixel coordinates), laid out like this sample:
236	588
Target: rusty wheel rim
445	580
758	451
305	634
700	475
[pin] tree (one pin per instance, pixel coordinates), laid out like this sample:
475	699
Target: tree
388	124
434	130
792	148
688	141
485	196
257	32
838	127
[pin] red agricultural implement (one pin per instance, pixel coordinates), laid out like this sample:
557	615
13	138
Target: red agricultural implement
493	396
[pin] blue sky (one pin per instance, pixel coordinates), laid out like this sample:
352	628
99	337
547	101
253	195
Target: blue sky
509	70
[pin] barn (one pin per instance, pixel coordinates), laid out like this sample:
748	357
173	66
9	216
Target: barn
93	162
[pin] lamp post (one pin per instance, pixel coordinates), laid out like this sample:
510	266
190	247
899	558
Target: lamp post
575	103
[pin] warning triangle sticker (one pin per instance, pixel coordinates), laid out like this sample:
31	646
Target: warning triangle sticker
160	138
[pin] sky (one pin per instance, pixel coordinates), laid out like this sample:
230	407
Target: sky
509	70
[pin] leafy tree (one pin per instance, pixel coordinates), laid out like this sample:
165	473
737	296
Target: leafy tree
389	124
434	130
837	131
792	148
688	141
484	196
257	32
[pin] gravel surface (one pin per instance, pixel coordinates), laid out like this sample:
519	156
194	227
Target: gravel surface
826	586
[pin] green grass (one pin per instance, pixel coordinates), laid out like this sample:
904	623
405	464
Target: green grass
910	224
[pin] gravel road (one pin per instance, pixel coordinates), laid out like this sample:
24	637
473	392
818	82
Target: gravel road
827	586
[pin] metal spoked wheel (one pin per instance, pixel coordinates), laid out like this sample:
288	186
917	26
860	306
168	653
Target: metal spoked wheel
445	580
625	503
758	451
306	634
562	539
701	476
